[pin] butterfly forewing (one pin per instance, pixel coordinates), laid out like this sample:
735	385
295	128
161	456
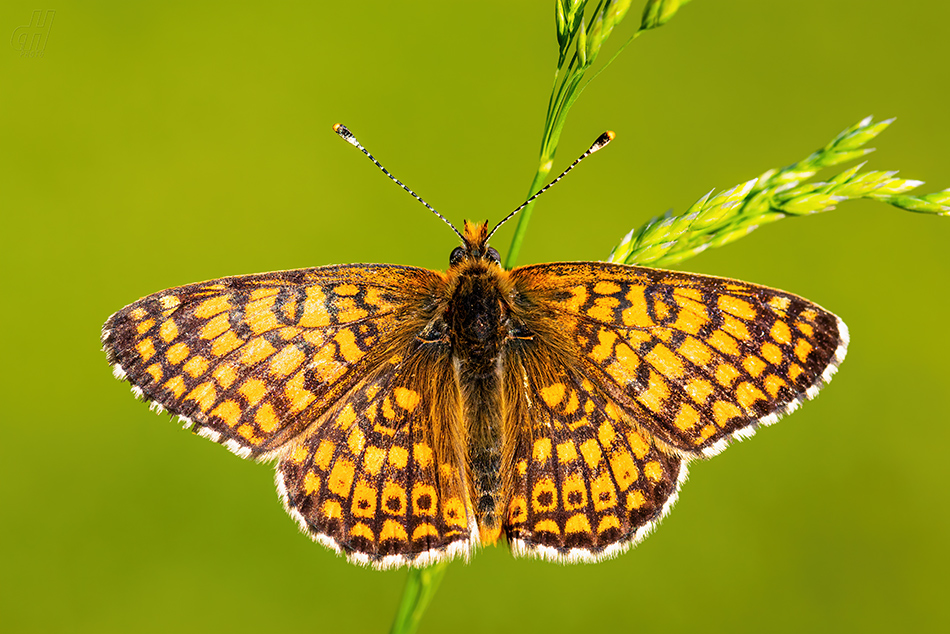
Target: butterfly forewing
693	360
253	360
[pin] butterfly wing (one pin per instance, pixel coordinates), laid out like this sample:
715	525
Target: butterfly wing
252	361
630	373
694	360
382	479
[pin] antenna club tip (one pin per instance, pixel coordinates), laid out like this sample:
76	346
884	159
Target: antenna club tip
611	135
603	140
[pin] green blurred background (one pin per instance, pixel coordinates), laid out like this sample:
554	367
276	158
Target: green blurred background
156	144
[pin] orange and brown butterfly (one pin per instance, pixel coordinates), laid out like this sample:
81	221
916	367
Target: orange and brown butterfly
415	415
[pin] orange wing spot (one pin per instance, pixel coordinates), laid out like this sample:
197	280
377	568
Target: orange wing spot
177	385
734	327
542	449
602	492
781	332
453	512
348	348
311	483
228	411
347	311
356	441
544	496
256	351
169	302
726	374
779	303
253	390
517	510
805	329
425	530
690	293
394	498
606	288
398	457
795	371
196	366
723	412
753	365
346	289
589	407
371	392
299	397
287	360
225	375
393	530
212	306
324	454
346	417
638	445
578	299
260	319
699	390
626	364
288	332
802	348
422	454
388	412
723	343
687	418
552	394
624	469
406	399
773	384
177	353
362	530
772	353
705	434
608	522
603	309
653	470
261	293
636	315
315	338
137	313
695	351
314	314
635	500
215	327
205	395
547	526
156	371
373	460
747	394
657	392
266	418
146	349
577	524
341	477
364	500
566	452
606	434
424	499
809	315
325	366
572	404
247	432
226	343
574	493
692	317
147	325
593	456
332	510
372	297
522	467
300	452
735	306
667	363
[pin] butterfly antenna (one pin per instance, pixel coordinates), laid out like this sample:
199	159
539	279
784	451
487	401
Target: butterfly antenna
601	141
347	136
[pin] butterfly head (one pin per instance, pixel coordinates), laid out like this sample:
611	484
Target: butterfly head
474	246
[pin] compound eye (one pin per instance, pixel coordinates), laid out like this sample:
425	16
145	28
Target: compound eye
493	255
458	254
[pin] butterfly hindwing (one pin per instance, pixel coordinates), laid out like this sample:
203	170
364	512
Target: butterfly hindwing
382	478
694	360
253	360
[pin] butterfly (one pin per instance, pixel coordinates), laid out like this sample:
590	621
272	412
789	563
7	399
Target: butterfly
415	415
